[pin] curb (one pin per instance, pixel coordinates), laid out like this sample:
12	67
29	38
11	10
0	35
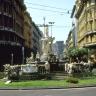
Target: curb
45	88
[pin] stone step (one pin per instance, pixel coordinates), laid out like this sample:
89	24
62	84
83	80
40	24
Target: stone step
58	76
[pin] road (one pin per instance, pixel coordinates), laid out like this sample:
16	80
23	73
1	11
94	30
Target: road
51	92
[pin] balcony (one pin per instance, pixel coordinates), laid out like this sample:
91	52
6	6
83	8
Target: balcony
79	11
11	30
91	44
90	33
2	42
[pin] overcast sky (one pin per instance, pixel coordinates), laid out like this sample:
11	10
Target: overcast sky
57	11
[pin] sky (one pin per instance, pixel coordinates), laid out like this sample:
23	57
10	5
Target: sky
57	11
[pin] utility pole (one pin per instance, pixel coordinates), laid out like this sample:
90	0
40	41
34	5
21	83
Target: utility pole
51	23
46	26
22	55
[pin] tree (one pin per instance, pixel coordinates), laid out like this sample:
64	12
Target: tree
76	54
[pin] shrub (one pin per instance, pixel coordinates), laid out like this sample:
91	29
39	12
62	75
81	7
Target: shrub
72	80
1	75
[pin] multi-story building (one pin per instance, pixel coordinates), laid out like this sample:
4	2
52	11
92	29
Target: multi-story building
27	34
69	40
11	31
74	28
36	37
58	49
85	14
72	38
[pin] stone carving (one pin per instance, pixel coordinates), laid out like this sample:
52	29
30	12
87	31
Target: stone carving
46	47
30	59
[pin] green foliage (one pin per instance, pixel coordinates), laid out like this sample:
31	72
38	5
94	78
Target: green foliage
72	80
72	52
83	51
29	76
1	75
75	52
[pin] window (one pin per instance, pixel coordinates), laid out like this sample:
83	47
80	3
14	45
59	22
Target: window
1	20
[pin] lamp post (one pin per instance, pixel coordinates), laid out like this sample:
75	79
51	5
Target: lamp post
22	55
51	23
12	59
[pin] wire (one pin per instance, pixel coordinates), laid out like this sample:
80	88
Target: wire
50	10
61	10
55	26
46	6
61	26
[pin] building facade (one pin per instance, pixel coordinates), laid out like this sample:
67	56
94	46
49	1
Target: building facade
72	38
86	22
85	14
11	31
69	41
36	39
58	49
27	34
19	35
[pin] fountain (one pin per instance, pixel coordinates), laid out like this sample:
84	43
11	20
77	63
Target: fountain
41	65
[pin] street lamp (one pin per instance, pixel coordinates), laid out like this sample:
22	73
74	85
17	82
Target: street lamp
22	55
51	23
12	59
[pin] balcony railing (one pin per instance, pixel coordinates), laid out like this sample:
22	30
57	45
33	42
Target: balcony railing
9	43
90	44
90	33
